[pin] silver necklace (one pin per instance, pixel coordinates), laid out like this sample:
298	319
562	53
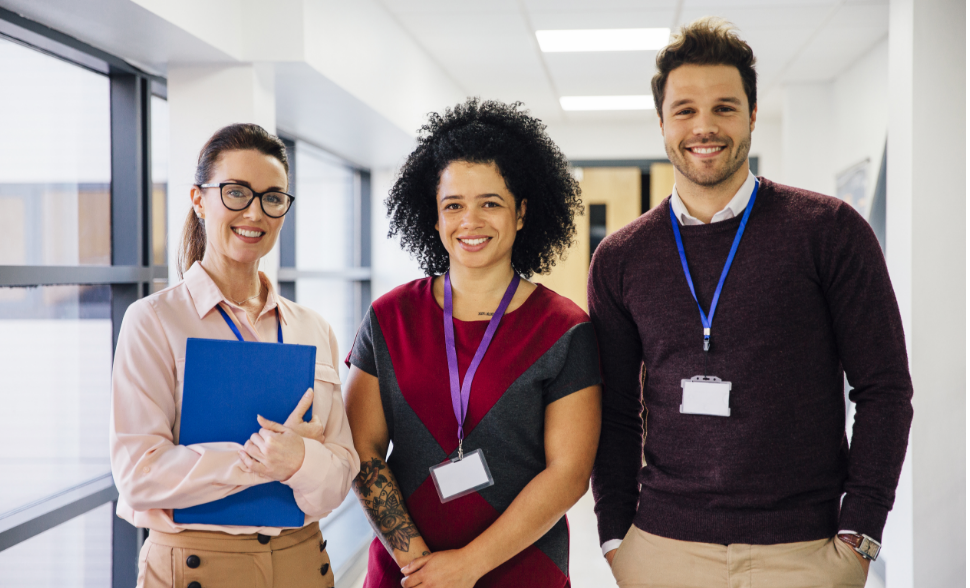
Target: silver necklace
250	298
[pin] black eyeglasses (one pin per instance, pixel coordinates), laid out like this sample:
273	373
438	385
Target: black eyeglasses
238	197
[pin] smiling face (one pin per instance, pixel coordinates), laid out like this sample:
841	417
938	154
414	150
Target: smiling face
242	236
477	215
706	123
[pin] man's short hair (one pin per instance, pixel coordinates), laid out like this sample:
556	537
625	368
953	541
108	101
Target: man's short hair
706	41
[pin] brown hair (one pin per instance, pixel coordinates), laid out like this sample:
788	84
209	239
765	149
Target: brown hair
706	41
237	137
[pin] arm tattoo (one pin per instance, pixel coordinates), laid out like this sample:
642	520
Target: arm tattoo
383	503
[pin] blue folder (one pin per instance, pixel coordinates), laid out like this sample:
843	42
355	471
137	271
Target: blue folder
226	384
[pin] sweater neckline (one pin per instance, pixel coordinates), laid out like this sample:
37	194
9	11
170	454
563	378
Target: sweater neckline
730	224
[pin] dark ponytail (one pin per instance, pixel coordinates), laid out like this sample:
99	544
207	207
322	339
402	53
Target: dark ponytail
237	137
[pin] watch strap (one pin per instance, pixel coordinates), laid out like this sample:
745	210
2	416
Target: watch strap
863	544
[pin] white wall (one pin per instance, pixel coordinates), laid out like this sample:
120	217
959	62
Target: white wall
808	135
766	145
391	266
829	126
610	140
926	253
860	104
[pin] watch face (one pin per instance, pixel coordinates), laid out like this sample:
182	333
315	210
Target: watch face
869	548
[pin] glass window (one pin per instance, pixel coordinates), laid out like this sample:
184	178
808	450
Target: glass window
75	554
325	190
160	143
55	357
336	301
55	145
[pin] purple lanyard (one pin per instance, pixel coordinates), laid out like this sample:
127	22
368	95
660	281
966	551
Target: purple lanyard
460	393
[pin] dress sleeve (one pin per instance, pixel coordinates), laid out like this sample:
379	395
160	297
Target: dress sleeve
149	469
363	354
579	366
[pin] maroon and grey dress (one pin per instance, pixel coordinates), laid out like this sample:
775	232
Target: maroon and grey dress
541	352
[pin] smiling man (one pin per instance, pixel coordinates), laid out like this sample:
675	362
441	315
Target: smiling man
729	318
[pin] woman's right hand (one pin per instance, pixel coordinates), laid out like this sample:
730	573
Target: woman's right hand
312	429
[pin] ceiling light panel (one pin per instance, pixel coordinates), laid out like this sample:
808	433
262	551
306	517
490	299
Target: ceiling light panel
637	102
602	40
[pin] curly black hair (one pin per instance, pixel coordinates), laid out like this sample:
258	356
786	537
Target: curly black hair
532	165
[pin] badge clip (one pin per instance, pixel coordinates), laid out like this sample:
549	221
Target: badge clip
707	395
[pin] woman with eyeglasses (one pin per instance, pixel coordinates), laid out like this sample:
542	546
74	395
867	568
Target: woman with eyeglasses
486	383
239	201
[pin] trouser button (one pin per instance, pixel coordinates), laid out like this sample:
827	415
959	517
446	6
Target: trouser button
193	561
323	545
194	585
264	539
324	569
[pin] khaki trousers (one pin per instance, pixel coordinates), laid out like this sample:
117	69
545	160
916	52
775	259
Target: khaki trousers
210	559
648	560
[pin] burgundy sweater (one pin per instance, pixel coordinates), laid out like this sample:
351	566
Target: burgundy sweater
808	301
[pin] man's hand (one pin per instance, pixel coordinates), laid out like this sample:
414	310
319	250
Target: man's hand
610	555
312	429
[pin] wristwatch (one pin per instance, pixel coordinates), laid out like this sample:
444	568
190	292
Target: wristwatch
863	544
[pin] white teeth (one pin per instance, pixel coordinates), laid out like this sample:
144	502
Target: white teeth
705	150
474	242
246	233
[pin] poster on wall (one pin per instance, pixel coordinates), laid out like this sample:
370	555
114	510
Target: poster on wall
851	187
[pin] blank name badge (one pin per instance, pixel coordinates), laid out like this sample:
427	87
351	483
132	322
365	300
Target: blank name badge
456	478
706	395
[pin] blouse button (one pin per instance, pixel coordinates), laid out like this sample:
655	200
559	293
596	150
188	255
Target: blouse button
146	469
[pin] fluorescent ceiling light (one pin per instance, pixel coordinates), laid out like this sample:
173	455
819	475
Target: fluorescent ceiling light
607	102
602	40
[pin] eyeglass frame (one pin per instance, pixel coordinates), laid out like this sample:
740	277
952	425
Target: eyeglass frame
256	194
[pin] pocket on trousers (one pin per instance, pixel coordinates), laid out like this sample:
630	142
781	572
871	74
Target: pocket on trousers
213	569
854	567
155	566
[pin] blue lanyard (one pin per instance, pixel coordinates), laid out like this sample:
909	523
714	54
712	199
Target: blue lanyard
705	319
235	330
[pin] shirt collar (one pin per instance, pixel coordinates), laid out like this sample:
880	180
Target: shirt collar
734	208
206	295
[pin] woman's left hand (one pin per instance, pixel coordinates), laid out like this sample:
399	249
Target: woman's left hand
442	569
275	452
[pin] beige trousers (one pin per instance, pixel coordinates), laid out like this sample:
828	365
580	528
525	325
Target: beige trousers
648	560
210	559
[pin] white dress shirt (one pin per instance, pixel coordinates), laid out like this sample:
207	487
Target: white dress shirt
734	208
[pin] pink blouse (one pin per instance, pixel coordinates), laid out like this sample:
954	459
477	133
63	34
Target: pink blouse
153	473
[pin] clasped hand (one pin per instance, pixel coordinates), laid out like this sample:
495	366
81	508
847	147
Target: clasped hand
276	451
444	569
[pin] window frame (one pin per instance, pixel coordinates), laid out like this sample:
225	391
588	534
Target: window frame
130	275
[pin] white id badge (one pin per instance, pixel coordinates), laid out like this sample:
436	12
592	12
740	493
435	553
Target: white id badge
454	479
706	395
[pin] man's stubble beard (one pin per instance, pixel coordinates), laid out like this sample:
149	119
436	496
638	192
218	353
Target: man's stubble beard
713	176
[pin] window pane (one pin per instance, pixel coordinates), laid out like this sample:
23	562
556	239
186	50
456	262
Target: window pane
55	361
335	300
159	179
74	554
55	145
324	207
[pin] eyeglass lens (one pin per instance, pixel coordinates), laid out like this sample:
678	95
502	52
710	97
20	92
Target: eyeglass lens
238	197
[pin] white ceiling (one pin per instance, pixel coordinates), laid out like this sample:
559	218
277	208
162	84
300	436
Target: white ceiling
489	48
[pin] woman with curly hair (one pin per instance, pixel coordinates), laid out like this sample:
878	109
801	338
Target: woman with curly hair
487	384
